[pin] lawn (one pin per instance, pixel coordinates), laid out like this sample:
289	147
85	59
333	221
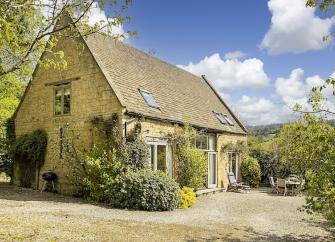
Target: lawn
27	215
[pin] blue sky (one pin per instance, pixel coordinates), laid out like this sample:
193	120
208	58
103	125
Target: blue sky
275	40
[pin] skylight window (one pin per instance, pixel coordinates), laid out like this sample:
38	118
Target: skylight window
228	120
223	118
148	98
220	117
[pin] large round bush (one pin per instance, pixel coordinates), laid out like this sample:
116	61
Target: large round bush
145	190
251	171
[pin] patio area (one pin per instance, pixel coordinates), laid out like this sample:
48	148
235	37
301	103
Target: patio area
257	215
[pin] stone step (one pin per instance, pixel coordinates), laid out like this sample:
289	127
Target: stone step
208	191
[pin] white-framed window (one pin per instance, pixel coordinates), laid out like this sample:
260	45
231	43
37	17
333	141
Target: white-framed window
62	100
161	157
205	142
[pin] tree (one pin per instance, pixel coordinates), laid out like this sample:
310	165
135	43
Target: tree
11	90
317	98
308	148
266	154
29	27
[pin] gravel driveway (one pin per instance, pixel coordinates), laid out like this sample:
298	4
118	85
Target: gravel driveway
27	215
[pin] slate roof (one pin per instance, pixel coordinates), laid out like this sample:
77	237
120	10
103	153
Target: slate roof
181	96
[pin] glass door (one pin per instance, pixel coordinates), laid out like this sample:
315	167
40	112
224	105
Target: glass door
212	168
161	158
233	163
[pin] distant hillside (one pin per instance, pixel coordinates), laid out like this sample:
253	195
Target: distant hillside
270	130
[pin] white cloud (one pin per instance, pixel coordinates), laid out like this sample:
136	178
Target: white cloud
230	73
279	108
295	28
296	89
257	111
98	15
234	55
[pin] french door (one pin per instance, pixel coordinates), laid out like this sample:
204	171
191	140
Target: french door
233	158
212	170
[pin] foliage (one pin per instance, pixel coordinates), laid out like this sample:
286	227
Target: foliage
187	197
31	146
304	144
191	163
144	190
238	147
251	171
11	90
308	148
135	153
132	151
27	28
266	154
6	140
101	169
321	191
265	131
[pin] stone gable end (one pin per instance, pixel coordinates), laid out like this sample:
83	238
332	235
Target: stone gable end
91	96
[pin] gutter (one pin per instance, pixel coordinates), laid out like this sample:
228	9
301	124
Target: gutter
141	115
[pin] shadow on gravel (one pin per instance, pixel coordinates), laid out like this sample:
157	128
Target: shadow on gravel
257	236
11	192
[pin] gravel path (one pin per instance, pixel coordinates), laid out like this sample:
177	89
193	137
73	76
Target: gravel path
255	216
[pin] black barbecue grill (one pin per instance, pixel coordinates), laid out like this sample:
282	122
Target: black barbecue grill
49	178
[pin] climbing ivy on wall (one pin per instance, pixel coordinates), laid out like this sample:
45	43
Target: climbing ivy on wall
30	148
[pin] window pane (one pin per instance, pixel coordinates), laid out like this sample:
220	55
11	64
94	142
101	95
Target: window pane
211	142
233	168
221	118
169	160
149	99
212	169
161	158
201	142
58	102
228	120
152	157
67	100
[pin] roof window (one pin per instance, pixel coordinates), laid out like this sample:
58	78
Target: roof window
223	118
148	98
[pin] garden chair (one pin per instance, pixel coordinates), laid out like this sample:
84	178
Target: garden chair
273	184
281	186
234	185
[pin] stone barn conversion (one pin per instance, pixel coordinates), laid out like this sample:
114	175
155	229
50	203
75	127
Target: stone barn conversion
110	77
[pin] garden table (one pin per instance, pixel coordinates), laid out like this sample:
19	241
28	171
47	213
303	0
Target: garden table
293	186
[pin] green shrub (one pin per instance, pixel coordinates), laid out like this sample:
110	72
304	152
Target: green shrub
191	163
135	152
101	171
188	197
192	167
251	171
144	190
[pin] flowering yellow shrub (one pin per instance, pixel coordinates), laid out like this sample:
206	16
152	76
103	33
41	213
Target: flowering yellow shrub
188	197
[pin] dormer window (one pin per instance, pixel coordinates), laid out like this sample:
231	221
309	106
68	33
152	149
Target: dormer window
223	118
148	98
